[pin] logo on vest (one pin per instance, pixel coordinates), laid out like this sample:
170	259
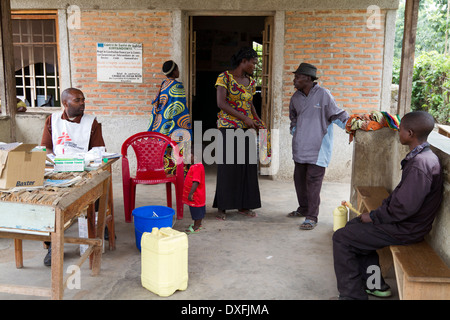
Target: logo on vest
63	138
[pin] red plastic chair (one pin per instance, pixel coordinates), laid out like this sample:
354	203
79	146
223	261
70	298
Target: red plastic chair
149	148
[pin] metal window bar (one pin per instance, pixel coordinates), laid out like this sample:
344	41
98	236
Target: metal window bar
25	28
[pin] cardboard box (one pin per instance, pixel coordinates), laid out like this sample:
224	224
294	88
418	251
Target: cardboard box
21	167
69	163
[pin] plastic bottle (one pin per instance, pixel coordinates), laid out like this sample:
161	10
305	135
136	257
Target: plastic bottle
339	217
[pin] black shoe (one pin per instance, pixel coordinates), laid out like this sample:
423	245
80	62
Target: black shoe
48	257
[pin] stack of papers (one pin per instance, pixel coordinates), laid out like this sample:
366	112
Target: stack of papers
61	183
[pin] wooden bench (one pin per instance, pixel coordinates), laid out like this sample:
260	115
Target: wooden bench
370	198
444	130
420	272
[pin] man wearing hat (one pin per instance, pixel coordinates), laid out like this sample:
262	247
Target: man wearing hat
312	112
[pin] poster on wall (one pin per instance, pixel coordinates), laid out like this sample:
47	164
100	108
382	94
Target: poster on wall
119	62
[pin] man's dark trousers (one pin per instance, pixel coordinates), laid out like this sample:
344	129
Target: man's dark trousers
354	251
308	182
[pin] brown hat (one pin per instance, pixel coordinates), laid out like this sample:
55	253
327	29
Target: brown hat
307	69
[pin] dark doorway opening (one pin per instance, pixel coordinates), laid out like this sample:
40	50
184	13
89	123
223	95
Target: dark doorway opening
217	39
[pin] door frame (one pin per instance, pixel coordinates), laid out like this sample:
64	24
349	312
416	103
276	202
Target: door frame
189	63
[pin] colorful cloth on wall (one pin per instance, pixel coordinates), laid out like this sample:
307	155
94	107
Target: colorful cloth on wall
371	122
240	98
170	116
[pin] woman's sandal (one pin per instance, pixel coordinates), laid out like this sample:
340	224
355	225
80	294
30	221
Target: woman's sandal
308	224
221	216
248	213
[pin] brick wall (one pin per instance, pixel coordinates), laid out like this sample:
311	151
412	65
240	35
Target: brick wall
151	28
348	55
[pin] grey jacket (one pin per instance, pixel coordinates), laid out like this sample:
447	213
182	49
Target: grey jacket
312	119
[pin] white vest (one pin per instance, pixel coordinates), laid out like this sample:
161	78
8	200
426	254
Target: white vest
70	137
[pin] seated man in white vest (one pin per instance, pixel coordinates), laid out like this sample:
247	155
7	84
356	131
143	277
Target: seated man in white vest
71	131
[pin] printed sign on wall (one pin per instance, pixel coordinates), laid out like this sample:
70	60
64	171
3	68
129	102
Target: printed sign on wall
119	62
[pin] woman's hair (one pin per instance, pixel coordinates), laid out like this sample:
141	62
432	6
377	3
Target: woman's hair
169	67
245	53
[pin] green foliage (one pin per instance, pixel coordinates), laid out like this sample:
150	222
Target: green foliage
430	85
396	64
257	75
431	27
431	76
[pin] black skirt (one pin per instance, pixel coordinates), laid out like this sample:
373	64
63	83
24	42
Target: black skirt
237	184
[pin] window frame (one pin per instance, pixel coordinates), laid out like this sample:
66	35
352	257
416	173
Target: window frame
43	15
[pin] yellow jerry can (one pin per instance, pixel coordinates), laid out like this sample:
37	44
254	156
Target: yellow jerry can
164	261
339	217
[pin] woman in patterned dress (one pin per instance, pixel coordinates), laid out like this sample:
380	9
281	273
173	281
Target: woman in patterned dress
170	115
237	183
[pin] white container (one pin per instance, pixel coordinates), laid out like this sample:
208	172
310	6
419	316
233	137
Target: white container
164	261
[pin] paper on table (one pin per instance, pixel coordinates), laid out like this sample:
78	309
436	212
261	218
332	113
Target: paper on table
111	155
61	183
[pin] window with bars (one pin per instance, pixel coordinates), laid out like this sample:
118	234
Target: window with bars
35	41
257	74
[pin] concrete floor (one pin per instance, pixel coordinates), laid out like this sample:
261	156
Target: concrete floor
262	258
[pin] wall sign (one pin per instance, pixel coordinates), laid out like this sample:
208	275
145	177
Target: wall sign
119	62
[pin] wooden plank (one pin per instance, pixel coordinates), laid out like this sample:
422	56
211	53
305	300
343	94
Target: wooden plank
100	232
25	290
58	257
425	291
27	217
73	240
417	290
14	234
370	198
7	77
76	201
420	263
110	212
18	253
444	130
407	65
80	261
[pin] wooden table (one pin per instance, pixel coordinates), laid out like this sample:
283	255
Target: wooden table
45	213
109	208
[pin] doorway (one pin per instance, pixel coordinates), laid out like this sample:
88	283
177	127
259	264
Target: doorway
212	41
